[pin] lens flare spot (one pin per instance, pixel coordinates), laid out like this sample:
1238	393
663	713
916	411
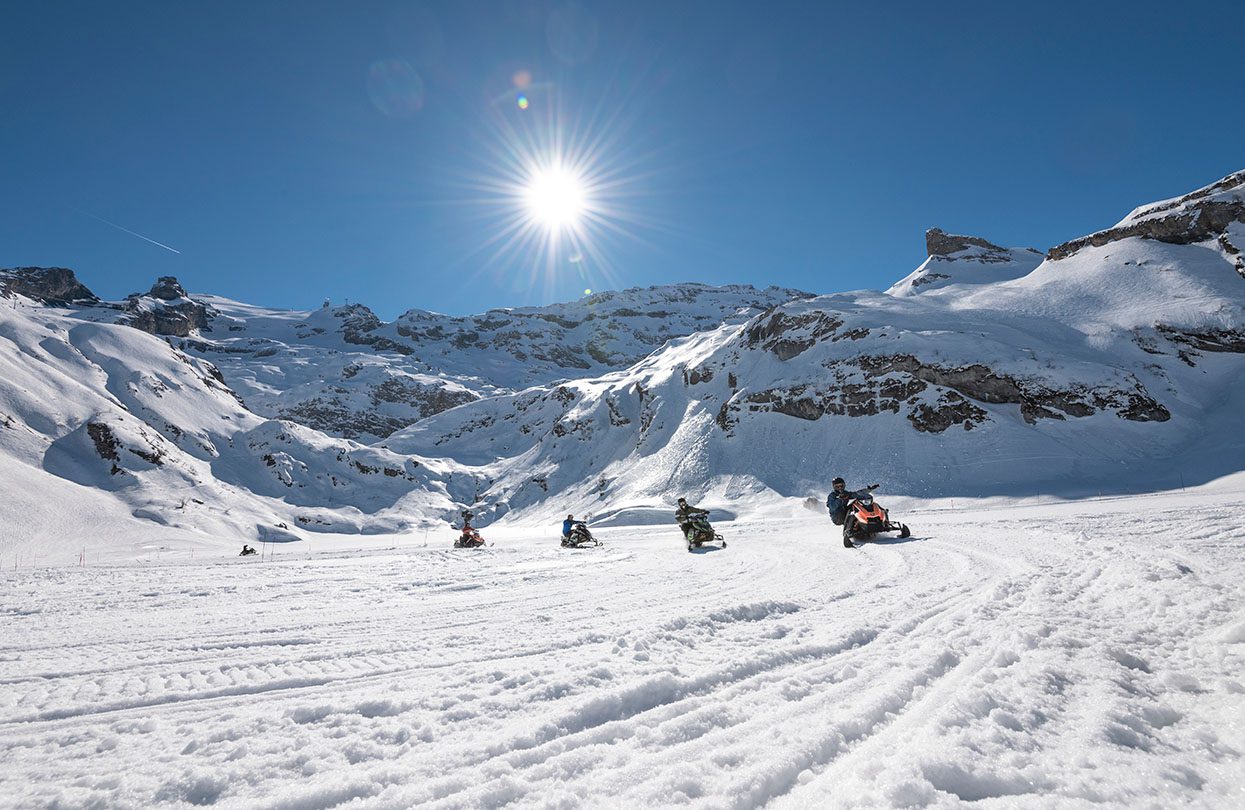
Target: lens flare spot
395	88
521	79
523	102
587	291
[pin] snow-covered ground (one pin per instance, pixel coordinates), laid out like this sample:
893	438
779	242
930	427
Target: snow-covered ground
1008	654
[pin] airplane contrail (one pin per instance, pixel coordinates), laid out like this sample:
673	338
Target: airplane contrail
132	233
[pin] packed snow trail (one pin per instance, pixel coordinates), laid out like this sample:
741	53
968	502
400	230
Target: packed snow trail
1086	653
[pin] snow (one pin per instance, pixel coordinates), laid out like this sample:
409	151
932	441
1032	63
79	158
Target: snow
949	275
304	364
1038	653
1229	189
1072	635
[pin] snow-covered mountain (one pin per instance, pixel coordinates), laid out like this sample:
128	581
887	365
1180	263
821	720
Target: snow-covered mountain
955	261
114	408
1116	362
101	424
344	371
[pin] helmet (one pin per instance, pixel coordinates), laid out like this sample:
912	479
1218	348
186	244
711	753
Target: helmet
838	482
570	517
682	500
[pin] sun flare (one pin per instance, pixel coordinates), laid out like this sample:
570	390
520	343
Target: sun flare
555	197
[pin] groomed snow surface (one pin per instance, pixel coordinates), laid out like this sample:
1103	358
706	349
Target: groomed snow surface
1007	655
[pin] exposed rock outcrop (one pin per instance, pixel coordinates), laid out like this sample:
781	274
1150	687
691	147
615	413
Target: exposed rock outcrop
358	325
775	332
427	399
166	309
1204	214
334	417
937	397
49	285
940	243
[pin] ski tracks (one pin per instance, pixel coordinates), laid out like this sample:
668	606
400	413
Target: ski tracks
1044	661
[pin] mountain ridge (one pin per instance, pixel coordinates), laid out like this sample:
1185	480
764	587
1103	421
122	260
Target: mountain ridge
986	370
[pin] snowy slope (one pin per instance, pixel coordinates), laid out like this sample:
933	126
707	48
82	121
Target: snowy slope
1115	365
1115	368
344	371
1083	655
955	261
117	433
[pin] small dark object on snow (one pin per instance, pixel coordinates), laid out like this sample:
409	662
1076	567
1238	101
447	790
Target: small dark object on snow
247	551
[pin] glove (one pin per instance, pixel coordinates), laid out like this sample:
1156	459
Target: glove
874	486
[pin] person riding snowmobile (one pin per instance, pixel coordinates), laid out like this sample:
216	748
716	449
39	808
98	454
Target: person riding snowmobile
567	525
685	513
840	496
470	538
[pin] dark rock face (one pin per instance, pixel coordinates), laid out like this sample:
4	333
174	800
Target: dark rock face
951	409
358	324
167	310
941	243
929	278
898	383
333	417
1197	220
167	288
1036	400
106	443
57	286
1190	344
1235	252
1211	340
428	399
775	333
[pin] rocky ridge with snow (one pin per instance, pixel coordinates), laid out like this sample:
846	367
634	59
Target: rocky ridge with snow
987	370
1212	214
1122	361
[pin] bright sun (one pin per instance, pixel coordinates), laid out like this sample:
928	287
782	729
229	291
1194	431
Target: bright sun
555	197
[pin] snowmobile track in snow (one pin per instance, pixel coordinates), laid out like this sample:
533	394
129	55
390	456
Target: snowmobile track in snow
1059	663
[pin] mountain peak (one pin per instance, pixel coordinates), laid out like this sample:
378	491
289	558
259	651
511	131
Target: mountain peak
167	288
50	285
940	243
1210	212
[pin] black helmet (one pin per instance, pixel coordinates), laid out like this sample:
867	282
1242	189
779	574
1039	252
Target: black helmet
682	500
838	482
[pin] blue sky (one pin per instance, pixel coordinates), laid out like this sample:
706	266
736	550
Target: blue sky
293	152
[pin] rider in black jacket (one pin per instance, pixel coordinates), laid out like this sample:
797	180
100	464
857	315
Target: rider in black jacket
685	513
840	496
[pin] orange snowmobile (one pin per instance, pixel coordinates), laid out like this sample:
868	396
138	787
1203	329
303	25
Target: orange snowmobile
865	519
470	538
